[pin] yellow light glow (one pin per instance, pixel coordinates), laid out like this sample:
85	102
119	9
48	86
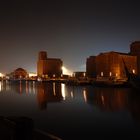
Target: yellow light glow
84	74
54	92
66	71
102	74
0	86
63	91
71	94
102	98
133	71
1	75
85	95
32	74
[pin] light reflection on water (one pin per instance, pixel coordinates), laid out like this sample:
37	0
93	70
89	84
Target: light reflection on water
63	109
0	86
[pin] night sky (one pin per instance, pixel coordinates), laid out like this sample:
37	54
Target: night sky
69	30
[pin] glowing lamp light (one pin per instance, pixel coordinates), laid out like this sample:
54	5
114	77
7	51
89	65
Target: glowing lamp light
63	91
102	74
133	71
32	74
1	75
66	71
84	74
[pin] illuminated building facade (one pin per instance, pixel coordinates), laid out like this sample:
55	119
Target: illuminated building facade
91	67
41	64
19	73
51	67
111	64
79	74
135	50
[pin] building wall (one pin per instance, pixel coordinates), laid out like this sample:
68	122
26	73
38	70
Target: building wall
54	67
135	50
79	74
106	63
48	66
19	73
41	67
41	64
111	64
131	64
42	55
91	67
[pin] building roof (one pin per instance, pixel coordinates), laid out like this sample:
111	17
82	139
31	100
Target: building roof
115	52
135	42
53	59
20	69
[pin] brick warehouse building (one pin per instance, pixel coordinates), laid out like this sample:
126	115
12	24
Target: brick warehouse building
135	50
52	67
110	64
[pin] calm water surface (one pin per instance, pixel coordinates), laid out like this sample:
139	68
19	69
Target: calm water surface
73	112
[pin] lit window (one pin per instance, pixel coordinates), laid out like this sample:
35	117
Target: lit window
133	71
102	74
110	74
84	74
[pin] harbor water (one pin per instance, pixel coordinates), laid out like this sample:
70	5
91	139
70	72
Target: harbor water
73	112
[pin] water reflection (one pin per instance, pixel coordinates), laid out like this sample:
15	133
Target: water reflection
0	86
63	91
78	109
134	105
111	99
71	93
22	87
85	95
48	92
105	99
114	100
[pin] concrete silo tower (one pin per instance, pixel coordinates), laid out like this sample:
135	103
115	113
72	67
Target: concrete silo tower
41	63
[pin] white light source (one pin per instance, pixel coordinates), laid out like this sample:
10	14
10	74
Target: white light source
133	71
1	75
63	91
32	74
66	71
102	74
84	74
